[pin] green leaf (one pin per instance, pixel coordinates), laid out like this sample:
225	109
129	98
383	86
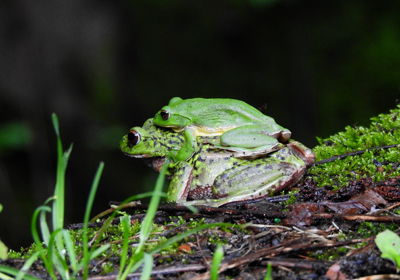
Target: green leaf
388	243
3	251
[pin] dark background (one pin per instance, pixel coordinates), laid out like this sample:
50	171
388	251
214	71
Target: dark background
105	66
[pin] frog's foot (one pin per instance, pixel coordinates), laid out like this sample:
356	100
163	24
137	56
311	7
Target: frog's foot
306	154
212	202
203	203
193	203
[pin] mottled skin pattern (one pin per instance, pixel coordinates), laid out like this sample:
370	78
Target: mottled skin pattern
216	177
238	179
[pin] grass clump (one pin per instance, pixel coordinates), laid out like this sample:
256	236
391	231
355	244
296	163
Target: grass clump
66	254
55	246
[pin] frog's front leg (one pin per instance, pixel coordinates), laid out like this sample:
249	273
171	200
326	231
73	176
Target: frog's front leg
180	183
188	148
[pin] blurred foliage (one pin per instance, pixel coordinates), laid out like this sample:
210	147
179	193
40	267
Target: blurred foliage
106	66
14	136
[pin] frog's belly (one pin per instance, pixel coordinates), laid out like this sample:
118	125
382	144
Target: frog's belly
210	131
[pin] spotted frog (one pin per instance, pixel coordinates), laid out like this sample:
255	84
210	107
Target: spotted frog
213	176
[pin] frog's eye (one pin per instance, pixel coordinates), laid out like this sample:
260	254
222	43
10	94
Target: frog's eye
164	115
133	138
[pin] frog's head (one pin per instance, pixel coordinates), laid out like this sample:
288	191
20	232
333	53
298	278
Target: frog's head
169	117
150	141
133	145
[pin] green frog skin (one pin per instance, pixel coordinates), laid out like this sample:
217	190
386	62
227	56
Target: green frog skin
240	126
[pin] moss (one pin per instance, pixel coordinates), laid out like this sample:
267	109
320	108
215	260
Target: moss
291	200
14	254
216	239
107	267
368	229
378	164
330	254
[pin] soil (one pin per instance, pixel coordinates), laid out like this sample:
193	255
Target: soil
326	234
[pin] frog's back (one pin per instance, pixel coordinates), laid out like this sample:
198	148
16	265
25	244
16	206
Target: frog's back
220	111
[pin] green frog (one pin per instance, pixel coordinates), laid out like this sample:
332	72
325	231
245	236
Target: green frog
240	126
213	176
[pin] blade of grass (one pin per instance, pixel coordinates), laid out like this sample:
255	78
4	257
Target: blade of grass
44	227
27	265
125	225
268	274
147	267
3	247
148	221
58	203
3	251
99	251
92	255
57	256
89	204
58	207
5	277
70	249
153	205
37	241
218	255
133	268
14	272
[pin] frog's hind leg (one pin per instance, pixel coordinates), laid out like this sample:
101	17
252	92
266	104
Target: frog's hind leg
249	136
255	182
254	137
180	183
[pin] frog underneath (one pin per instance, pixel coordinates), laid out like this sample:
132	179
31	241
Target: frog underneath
214	177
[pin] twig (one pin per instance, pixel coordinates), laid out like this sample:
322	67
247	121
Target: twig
332	159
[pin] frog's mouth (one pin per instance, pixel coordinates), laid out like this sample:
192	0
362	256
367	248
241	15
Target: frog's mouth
137	156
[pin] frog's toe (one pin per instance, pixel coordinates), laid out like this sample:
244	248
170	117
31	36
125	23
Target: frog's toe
203	203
